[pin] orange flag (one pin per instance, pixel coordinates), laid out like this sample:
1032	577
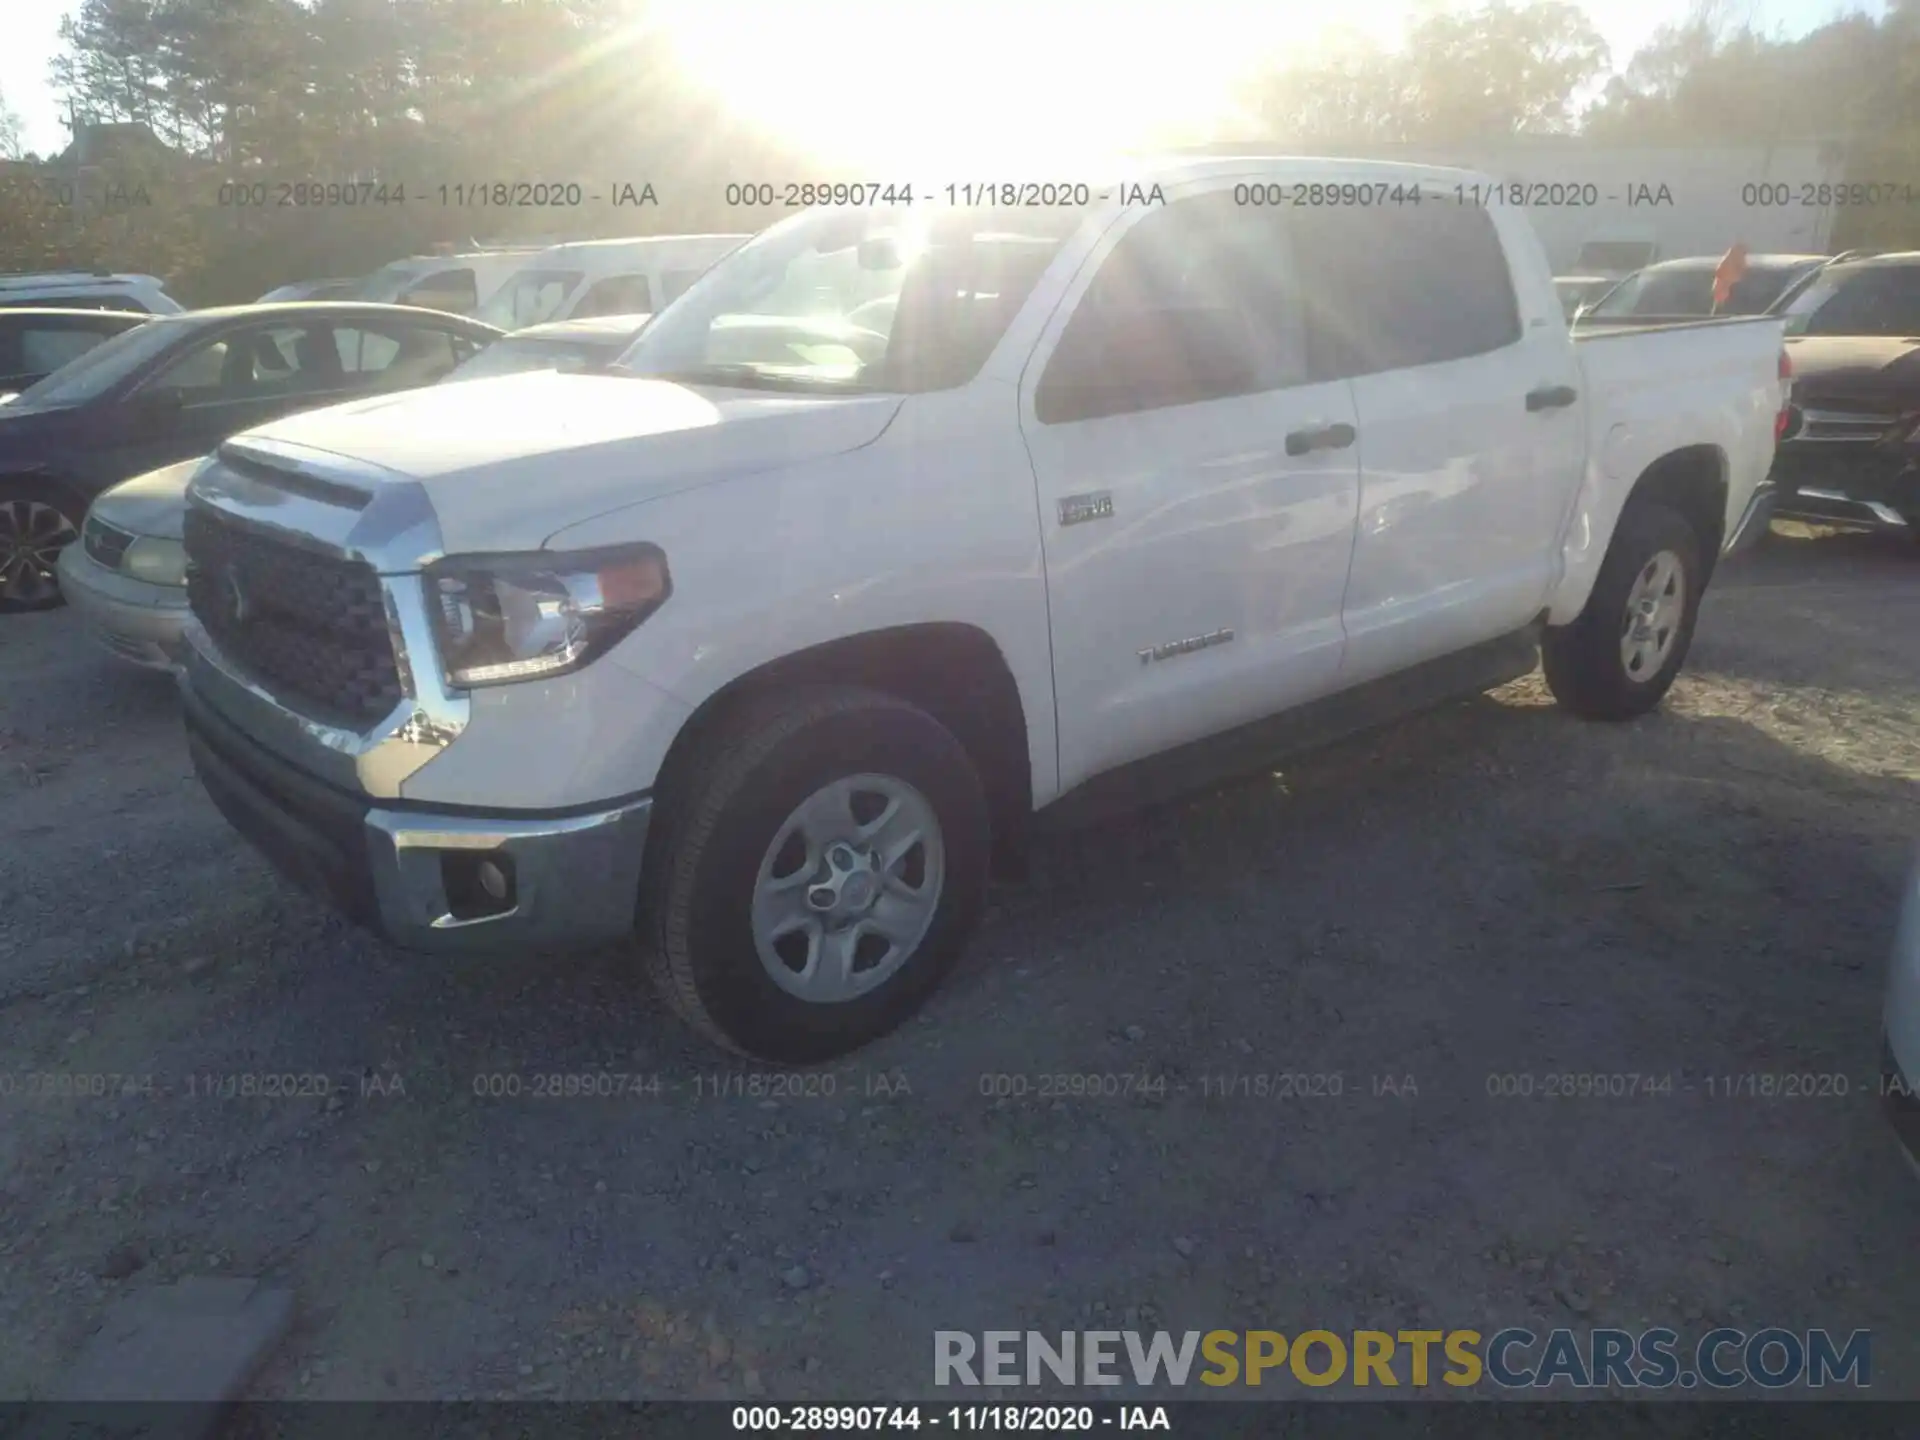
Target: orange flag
1732	268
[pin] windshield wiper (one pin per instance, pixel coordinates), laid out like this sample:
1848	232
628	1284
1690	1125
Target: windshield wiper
743	376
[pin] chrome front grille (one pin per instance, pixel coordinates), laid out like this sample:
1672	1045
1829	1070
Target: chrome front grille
311	628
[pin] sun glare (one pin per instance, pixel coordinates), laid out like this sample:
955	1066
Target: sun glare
935	92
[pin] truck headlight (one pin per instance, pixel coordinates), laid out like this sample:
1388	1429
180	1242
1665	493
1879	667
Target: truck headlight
502	618
155	560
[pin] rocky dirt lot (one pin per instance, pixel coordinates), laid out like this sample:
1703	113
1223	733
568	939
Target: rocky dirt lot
1492	890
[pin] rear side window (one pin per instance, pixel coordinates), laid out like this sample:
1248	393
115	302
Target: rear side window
615	295
1394	287
45	350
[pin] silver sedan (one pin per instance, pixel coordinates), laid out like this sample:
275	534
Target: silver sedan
128	575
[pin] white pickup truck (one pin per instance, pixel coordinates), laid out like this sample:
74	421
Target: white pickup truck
902	528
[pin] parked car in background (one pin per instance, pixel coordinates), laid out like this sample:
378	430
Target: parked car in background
1577	290
127	576
571	345
1850	454
35	343
340	289
174	388
87	290
457	284
786	639
604	277
1683	289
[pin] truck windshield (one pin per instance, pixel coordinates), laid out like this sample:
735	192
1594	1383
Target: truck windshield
840	300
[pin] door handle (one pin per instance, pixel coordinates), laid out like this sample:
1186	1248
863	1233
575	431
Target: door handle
1551	397
1325	437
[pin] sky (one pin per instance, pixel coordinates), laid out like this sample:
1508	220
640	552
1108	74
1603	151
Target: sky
29	35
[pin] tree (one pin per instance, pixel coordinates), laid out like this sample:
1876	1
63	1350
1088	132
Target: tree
1499	70
10	145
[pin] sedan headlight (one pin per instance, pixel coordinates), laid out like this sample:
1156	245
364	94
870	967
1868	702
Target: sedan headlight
502	618
156	561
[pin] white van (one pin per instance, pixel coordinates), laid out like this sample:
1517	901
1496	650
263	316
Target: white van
604	277
459	284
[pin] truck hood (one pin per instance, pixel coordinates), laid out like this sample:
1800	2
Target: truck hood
1860	368
508	461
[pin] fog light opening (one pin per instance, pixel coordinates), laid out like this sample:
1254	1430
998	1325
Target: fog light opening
478	886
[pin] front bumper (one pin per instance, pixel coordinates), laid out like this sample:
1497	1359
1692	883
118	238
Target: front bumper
409	872
1854	486
133	619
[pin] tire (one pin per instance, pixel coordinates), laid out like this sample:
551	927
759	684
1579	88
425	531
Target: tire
37	521
712	864
1584	662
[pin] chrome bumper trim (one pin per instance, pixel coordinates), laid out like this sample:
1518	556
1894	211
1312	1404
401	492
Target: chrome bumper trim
1883	514
576	879
1753	520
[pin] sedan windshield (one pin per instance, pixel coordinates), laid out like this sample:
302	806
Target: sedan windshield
842	300
105	365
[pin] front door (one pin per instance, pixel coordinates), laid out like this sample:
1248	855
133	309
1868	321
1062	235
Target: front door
1197	494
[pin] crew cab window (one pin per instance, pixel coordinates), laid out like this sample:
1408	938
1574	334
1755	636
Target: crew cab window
1193	304
451	290
615	295
45	350
1394	287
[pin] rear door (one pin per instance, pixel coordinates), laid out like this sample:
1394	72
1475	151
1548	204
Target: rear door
1471	439
1197	489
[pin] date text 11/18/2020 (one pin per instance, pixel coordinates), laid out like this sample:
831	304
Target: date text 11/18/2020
460	195
1060	1418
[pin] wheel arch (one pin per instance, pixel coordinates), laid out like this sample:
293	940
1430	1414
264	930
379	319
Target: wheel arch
1690	479
954	671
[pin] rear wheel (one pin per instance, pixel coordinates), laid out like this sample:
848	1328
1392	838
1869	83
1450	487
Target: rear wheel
37	522
816	875
1620	657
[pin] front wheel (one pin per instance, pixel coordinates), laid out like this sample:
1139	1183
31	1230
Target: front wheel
1620	657
816	875
37	522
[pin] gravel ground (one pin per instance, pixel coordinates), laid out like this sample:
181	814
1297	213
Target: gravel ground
1492	889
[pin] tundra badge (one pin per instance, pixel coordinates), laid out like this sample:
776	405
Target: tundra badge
1185	647
1078	509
